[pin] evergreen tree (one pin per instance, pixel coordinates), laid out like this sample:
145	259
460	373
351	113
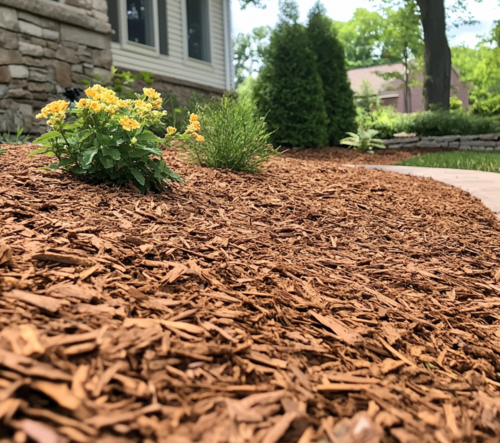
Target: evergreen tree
331	65
289	90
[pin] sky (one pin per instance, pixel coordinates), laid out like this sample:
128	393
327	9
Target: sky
342	10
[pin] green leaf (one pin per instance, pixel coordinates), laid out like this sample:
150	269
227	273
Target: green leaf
38	151
138	176
87	155
107	162
145	151
111	152
46	137
2	151
148	136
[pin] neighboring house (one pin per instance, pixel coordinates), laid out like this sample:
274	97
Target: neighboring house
391	92
49	45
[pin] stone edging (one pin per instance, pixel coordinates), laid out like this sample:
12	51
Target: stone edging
480	142
59	12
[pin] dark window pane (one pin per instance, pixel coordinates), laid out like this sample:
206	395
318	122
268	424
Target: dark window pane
198	36
114	19
162	24
140	23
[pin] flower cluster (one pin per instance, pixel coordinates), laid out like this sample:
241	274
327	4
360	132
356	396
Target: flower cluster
194	128
103	107
55	112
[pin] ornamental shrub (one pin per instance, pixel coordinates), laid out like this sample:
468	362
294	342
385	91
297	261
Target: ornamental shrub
289	90
331	65
236	137
108	138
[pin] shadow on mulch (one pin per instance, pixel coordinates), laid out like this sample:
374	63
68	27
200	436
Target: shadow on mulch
246	308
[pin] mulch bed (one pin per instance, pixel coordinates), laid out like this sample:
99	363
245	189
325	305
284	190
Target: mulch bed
306	304
348	156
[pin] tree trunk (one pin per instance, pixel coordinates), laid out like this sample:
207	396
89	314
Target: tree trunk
437	59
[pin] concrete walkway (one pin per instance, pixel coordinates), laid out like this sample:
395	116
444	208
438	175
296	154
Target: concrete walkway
483	185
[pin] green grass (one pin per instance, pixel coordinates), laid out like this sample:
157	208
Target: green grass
473	160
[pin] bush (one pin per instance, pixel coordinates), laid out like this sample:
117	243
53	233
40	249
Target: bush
289	90
487	107
436	123
236	138
331	64
109	138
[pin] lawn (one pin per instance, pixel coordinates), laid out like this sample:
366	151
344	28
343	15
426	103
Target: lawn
473	160
246	308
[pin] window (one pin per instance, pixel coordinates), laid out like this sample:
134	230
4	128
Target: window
114	19
140	21
197	29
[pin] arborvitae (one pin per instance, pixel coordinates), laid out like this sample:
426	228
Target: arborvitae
289	89
331	65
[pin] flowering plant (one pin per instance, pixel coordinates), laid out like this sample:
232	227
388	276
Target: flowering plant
109	138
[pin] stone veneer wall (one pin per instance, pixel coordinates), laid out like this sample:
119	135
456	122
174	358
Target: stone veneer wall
46	46
480	142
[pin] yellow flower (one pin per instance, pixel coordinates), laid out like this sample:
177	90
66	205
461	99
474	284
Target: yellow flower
193	118
109	97
199	138
83	103
194	126
112	109
133	141
95	107
151	93
123	104
53	108
171	130
129	124
92	93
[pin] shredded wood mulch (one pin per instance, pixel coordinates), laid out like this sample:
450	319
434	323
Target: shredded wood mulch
348	156
310	303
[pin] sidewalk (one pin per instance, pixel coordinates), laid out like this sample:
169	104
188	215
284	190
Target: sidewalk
483	185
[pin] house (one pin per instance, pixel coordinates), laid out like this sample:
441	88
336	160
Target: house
391	92
49	45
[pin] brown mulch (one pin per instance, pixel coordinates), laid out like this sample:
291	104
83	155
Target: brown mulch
348	156
309	303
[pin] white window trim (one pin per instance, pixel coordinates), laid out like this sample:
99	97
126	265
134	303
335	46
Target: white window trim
194	62
139	48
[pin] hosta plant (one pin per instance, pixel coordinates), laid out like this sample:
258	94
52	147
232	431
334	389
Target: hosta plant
107	138
363	141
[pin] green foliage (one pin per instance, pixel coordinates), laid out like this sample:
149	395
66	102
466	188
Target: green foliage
289	89
16	138
367	99
108	139
389	122
456	104
330	62
363	141
121	82
236	137
480	68
487	107
362	38
2	151
479	161
249	50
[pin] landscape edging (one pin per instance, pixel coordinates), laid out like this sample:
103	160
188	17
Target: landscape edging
479	142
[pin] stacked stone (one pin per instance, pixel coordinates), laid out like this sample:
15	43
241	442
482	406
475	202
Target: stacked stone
480	142
45	47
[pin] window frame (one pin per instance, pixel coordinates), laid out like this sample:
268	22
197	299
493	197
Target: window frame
141	48
195	62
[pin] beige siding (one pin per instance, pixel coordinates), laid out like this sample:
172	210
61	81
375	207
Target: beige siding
177	64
